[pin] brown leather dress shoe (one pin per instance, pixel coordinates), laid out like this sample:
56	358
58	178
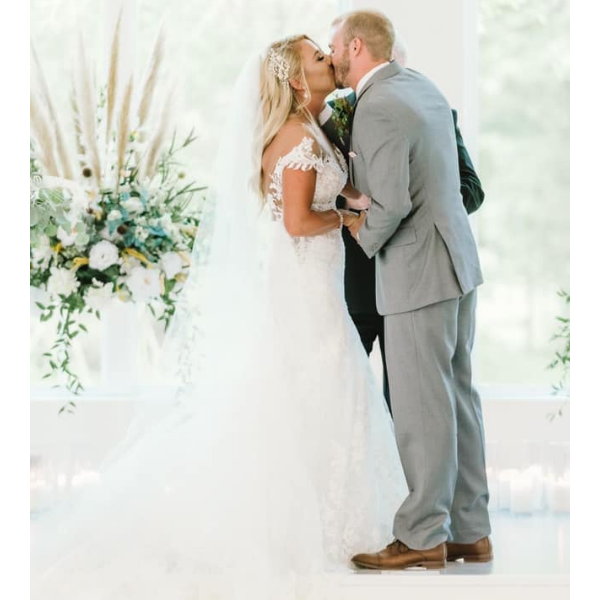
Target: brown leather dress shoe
479	551
399	556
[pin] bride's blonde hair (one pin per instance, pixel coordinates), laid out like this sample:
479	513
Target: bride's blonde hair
278	98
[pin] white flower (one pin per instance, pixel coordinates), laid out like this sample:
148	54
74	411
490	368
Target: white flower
166	222
93	198
62	281
103	255
42	253
128	263
143	283
176	236
99	295
109	236
141	233
133	205
171	264
170	228
67	239
114	215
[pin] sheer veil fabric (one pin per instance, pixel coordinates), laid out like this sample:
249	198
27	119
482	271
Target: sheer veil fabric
274	458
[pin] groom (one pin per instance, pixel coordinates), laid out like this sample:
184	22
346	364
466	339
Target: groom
403	156
359	269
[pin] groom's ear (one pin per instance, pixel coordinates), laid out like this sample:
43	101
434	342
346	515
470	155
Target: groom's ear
356	46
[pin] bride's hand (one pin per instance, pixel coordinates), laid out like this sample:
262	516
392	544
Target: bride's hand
354	228
349	217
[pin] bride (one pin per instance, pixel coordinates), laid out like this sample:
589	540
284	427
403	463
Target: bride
275	461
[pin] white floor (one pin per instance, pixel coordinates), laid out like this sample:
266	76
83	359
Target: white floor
531	561
531	552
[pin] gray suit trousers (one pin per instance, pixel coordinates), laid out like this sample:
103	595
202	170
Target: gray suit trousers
439	424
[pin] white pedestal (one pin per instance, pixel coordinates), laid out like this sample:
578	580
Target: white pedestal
120	337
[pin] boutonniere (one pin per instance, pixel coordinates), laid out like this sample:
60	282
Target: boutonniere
342	115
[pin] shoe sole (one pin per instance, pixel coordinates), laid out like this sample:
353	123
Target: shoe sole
426	564
474	558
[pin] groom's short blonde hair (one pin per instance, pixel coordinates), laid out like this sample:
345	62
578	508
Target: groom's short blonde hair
370	26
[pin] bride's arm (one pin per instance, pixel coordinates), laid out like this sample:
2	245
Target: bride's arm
298	217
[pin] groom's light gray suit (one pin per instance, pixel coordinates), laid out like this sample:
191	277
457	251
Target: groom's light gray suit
404	156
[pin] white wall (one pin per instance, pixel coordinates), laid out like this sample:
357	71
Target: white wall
441	38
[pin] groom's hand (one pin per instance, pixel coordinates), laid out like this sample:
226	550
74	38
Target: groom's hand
355	227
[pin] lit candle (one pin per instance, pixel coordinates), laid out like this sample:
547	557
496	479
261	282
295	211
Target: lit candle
536	474
559	498
86	478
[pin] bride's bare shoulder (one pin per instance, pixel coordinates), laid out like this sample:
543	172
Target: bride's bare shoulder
292	133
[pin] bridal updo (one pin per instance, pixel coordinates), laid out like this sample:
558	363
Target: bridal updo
282	62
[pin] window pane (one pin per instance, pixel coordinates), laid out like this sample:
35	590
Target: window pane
523	226
54	26
209	43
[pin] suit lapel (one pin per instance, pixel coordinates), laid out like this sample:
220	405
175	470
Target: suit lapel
385	73
388	71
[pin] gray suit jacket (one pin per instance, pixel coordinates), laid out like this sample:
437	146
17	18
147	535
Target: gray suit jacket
404	156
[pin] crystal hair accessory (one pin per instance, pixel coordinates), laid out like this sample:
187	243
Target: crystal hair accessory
278	66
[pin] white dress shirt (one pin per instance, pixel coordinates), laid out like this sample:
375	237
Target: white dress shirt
367	76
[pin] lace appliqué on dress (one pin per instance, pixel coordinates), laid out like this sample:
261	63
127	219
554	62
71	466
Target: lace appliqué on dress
332	175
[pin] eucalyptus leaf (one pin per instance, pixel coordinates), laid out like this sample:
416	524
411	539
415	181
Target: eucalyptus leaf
51	230
34	216
82	239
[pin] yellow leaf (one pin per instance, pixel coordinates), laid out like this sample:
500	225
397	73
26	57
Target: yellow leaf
184	257
137	255
79	261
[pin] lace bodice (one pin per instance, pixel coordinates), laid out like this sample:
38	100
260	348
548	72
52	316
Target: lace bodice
332	174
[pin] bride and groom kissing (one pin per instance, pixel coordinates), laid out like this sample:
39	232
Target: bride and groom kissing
411	275
280	462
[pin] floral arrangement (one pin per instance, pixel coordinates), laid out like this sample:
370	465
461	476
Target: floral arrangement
342	116
116	221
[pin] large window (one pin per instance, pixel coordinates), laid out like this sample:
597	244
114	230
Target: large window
210	41
523	226
523	142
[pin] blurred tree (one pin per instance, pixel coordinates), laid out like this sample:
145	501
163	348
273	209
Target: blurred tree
524	165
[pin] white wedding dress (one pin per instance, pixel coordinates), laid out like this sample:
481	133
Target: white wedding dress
264	486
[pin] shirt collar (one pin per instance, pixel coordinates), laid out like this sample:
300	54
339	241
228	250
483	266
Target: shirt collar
367	76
